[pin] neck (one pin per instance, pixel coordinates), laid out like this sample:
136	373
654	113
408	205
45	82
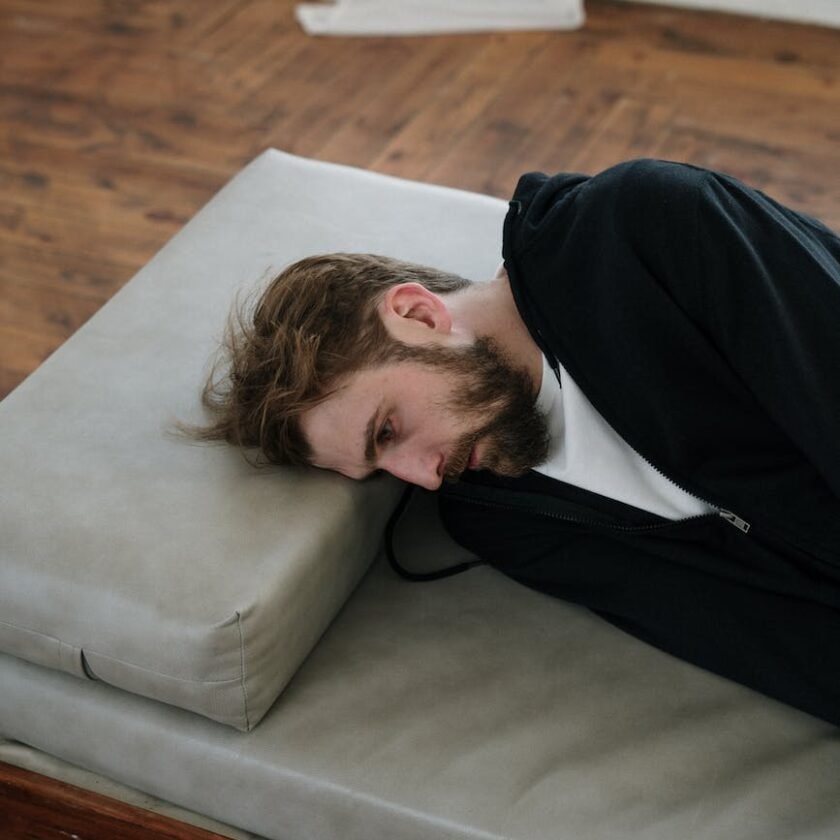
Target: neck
489	309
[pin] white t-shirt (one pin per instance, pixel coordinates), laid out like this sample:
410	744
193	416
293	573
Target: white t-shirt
587	452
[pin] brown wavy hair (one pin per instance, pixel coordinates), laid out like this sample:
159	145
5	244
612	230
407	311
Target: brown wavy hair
314	324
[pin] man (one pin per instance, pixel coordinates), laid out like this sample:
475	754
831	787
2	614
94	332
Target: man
640	413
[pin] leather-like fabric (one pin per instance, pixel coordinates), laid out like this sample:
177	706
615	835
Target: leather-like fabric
175	570
470	708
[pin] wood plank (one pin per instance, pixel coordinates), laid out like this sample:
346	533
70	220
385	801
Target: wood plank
44	310
35	807
527	127
51	267
453	108
376	118
682	31
31	347
119	120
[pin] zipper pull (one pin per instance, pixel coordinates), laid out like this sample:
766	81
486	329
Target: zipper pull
734	519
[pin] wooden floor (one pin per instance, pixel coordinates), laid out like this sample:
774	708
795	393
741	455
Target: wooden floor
120	118
33	807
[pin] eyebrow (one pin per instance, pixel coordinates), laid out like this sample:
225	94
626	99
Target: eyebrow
370	437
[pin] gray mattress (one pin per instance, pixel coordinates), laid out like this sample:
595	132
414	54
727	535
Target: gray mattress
465	708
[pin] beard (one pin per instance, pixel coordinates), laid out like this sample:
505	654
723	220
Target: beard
497	400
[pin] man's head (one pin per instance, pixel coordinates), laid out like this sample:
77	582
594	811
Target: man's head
352	362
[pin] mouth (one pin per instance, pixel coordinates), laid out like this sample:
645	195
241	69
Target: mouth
455	466
473	462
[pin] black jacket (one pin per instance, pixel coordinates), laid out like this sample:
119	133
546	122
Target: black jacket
702	320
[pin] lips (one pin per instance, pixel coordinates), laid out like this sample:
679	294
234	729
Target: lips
464	457
472	464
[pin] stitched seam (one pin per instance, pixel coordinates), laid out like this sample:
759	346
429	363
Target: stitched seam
242	668
26	629
163	674
709	306
113	659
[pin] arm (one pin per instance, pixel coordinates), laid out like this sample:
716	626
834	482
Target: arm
760	281
773	296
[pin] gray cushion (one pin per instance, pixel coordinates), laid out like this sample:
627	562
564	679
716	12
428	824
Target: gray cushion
178	571
471	708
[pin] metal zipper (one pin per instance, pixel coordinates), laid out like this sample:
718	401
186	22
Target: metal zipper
733	519
727	515
554	363
593	524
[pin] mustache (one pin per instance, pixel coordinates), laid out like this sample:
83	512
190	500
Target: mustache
499	399
516	436
457	462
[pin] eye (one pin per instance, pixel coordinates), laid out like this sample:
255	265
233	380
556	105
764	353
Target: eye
385	434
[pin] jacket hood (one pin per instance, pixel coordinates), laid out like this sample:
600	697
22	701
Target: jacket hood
538	203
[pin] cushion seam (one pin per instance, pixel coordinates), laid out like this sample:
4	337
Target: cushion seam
128	664
242	669
40	633
86	650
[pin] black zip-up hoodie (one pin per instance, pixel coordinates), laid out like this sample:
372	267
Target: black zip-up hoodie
702	320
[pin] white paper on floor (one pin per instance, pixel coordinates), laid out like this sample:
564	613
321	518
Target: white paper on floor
423	17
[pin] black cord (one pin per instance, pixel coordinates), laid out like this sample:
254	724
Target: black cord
417	577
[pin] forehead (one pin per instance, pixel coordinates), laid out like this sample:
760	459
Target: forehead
337	428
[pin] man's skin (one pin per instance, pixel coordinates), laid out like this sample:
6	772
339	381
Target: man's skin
398	417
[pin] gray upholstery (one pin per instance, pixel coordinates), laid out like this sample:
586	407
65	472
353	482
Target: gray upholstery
469	708
177	571
465	709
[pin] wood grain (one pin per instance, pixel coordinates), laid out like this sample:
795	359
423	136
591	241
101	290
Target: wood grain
120	118
34	807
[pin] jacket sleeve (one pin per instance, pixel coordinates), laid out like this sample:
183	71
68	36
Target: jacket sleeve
773	297
706	608
761	281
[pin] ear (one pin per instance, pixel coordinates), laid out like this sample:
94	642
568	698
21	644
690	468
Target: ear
414	315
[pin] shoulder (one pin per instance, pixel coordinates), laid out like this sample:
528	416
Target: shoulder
645	201
644	184
647	179
631	198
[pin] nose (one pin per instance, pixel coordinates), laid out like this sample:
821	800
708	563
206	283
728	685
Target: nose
423	469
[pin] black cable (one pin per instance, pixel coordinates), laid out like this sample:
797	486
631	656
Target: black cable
417	577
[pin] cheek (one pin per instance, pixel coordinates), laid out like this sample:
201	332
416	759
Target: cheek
454	423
